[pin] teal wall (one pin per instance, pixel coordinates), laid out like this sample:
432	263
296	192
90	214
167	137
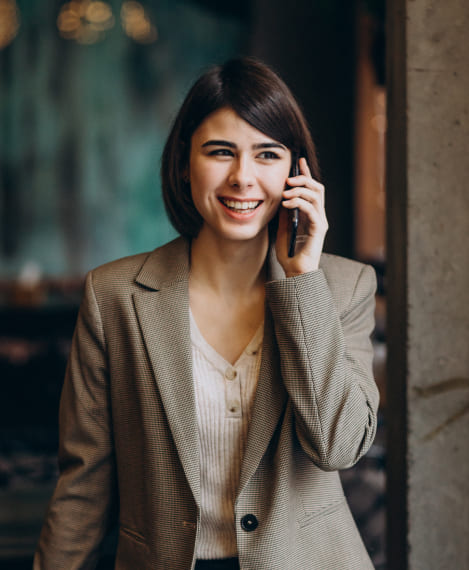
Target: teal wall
83	127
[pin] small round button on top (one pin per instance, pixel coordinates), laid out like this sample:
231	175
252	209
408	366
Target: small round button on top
249	523
230	373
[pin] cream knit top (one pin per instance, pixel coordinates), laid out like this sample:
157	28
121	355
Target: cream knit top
224	398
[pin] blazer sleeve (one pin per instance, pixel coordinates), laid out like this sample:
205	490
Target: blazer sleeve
326	361
81	507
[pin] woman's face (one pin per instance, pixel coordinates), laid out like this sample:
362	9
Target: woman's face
237	176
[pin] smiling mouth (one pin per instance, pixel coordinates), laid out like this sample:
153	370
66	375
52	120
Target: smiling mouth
245	207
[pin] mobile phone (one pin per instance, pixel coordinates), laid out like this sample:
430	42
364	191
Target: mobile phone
295	213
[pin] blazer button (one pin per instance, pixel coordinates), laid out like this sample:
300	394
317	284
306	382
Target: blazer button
249	523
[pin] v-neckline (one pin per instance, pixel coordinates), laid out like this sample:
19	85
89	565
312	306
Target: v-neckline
216	358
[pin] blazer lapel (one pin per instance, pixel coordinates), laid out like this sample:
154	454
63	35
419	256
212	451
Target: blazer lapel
271	395
162	308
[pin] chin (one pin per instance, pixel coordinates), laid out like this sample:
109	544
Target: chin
222	230
245	234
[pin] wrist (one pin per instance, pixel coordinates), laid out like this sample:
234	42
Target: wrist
295	272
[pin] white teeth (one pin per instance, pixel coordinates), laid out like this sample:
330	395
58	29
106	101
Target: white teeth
235	205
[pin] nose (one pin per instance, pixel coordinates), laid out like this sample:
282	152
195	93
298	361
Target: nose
241	175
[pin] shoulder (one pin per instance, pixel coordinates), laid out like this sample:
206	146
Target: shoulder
348	279
335	266
130	272
345	282
123	269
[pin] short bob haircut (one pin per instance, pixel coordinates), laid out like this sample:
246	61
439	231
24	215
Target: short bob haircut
257	95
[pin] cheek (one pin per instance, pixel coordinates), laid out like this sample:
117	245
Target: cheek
275	183
204	178
198	180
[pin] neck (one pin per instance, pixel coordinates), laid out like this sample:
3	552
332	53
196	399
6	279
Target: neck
228	267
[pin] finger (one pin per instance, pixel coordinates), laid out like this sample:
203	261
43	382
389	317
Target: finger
312	217
305	206
306	181
302	180
315	195
304	168
307	202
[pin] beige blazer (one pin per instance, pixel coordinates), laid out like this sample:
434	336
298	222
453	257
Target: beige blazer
128	431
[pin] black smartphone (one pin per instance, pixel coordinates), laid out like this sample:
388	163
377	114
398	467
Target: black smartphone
295	213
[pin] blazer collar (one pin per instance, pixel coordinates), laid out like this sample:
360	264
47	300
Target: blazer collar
166	265
170	264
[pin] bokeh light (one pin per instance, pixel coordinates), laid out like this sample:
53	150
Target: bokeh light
9	22
85	21
137	24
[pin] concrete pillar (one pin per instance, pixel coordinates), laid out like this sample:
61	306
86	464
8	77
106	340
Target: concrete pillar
428	285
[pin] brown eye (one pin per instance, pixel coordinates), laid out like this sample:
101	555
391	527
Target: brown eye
221	152
269	155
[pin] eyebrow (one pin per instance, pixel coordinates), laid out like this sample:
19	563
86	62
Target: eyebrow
255	147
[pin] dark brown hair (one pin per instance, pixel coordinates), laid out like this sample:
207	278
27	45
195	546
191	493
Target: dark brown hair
257	95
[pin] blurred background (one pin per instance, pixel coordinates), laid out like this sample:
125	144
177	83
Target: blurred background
88	91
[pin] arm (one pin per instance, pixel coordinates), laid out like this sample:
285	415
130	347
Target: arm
326	361
80	509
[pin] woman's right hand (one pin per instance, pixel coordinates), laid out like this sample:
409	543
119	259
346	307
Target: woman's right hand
308	195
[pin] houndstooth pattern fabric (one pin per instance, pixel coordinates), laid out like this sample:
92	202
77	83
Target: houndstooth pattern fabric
129	446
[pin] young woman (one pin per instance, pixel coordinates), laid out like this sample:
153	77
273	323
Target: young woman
216	385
